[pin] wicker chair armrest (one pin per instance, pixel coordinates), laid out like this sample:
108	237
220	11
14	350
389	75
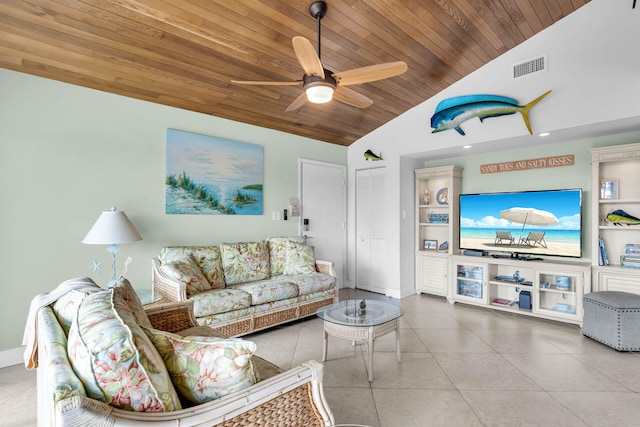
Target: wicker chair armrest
172	316
294	397
166	287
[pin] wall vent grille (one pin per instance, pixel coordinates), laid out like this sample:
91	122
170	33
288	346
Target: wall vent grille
531	66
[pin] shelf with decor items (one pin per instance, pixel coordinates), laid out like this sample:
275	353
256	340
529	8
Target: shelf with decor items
548	289
615	237
436	191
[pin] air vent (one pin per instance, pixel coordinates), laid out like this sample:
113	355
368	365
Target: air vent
531	66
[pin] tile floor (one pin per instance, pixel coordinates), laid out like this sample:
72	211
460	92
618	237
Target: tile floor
462	366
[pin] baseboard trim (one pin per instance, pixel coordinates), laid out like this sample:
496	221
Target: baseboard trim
13	356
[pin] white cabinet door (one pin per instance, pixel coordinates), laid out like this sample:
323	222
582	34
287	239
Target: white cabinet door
370	230
431	274
363	263
377	269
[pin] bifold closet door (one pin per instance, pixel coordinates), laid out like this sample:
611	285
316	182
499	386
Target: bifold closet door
370	240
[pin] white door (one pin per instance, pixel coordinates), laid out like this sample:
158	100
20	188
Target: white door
323	199
370	239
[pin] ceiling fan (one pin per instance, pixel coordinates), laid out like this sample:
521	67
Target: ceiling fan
321	85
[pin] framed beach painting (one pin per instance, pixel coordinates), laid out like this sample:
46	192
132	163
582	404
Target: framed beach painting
206	175
430	245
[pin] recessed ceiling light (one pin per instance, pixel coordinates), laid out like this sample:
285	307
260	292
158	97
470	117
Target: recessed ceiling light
544	134
466	146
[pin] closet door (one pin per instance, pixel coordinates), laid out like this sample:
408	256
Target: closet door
370	239
363	229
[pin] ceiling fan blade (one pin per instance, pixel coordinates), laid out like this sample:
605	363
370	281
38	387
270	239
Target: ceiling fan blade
371	73
269	83
351	97
298	102
307	57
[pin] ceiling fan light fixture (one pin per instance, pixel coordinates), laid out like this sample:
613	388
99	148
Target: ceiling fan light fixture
319	93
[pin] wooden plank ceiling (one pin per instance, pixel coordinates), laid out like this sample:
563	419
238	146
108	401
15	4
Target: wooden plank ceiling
185	53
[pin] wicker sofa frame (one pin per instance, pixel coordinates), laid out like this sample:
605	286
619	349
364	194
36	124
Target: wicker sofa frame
170	290
293	397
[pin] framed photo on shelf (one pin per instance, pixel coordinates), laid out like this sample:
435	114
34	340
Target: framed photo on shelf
609	189
430	245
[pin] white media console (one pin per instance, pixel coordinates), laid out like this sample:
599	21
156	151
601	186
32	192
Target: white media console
547	289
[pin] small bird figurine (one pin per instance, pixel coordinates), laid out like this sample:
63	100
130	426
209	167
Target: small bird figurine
369	155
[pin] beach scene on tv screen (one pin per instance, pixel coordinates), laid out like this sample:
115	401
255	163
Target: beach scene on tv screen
535	222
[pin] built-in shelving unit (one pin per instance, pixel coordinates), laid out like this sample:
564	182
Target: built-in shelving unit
615	186
437	190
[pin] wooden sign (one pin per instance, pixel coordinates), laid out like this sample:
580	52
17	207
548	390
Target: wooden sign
543	162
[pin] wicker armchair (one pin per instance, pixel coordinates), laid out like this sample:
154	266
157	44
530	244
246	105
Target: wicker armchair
294	397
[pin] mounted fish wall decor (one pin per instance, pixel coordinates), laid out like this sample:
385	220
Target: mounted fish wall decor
452	112
369	155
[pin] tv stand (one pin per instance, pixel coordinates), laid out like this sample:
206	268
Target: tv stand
549	290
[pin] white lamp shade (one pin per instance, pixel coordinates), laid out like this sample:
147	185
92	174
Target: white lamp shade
319	94
112	227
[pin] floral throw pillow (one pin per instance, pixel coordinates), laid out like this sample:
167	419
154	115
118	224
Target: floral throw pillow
114	358
205	368
125	291
186	270
245	262
66	307
301	259
207	257
278	249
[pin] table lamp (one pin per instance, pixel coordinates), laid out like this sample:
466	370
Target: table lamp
111	228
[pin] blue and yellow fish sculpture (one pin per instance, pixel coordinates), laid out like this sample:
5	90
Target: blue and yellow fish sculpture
369	155
619	217
452	112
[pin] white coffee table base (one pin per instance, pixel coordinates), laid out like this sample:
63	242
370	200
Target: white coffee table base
364	334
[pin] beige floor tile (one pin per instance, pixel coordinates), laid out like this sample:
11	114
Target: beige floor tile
623	368
517	408
515	341
352	406
425	304
603	409
562	372
415	371
452	341
483	371
346	372
409	342
278	349
21	408
572	341
432	320
423	408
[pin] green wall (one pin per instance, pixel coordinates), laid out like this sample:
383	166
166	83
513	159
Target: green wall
67	153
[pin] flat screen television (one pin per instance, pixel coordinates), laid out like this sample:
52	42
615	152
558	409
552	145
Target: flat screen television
528	223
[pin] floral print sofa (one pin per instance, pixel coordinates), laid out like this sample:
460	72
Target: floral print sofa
238	288
103	360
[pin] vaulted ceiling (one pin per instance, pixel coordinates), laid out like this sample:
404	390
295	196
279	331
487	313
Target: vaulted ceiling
185	53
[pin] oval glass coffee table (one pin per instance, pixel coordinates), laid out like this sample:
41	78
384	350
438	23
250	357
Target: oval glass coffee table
355	321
